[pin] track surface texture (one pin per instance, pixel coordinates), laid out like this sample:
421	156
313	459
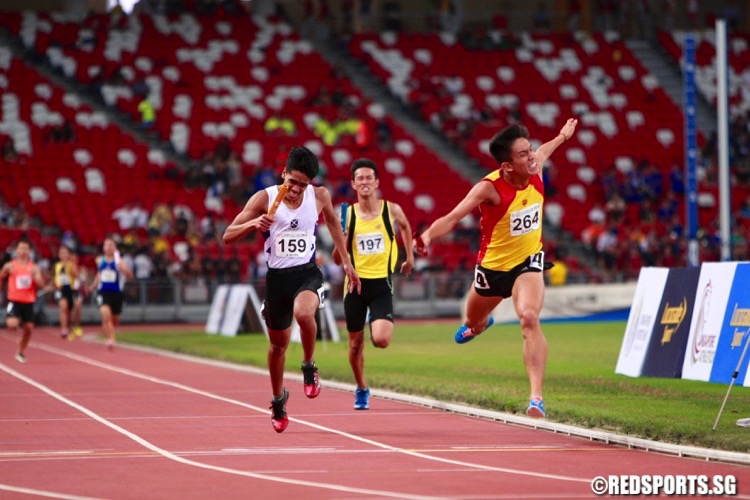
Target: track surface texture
78	421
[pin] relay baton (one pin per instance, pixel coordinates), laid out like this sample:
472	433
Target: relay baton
279	198
344	209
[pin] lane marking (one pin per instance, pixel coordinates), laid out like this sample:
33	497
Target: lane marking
156	380
167	454
57	454
43	493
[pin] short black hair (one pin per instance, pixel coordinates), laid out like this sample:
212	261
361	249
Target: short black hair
303	160
501	143
364	163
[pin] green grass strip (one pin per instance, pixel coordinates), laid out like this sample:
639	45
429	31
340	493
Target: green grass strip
581	387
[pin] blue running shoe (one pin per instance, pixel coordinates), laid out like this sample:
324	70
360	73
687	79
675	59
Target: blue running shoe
536	408
464	335
362	399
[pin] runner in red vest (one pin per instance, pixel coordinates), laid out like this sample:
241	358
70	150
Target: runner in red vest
24	277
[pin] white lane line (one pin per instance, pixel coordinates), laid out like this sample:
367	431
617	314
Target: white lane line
42	493
167	454
125	371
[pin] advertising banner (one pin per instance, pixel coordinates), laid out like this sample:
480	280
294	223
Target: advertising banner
734	331
643	314
712	296
666	349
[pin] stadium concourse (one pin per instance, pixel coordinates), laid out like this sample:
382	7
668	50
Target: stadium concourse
232	92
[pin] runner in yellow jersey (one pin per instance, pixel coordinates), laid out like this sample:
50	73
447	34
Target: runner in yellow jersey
66	274
373	251
510	260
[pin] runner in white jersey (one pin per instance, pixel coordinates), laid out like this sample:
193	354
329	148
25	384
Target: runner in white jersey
290	241
294	284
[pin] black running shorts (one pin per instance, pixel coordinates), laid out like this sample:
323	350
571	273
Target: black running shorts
377	294
112	299
23	311
66	292
283	286
489	283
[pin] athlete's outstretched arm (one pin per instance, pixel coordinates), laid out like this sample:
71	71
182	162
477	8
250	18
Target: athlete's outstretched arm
253	216
482	192
545	150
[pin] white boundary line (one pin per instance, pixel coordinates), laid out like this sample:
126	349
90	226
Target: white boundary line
43	493
555	427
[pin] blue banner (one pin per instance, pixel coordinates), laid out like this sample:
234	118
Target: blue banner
734	330
689	110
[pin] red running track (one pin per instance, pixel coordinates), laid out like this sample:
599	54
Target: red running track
77	421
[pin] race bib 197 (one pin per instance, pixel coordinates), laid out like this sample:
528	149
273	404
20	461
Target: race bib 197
370	244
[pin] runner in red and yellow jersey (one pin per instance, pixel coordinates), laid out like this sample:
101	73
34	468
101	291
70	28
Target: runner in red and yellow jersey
24	277
510	260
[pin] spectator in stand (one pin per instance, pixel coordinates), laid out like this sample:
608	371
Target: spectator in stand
233	267
208	230
607	248
541	18
70	240
143	266
192	272
148	113
62	133
615	207
131	216
558	274
653	181
278	125
632	261
160	222
383	135
392	16
574	15
667	208
691	7
9	150
265	177
743	214
5	213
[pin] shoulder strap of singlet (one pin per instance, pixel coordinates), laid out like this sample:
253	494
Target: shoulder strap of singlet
391	236
387	221
350	232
